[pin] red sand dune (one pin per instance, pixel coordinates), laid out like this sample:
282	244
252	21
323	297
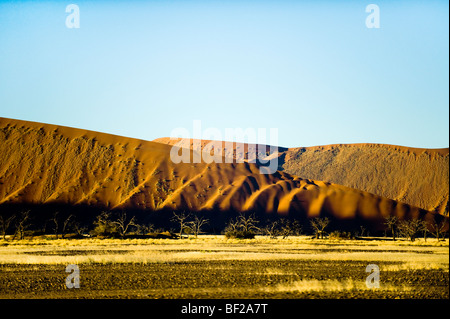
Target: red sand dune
416	176
44	164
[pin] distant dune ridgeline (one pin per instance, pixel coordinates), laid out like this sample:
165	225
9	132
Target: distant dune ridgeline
231	150
419	177
47	164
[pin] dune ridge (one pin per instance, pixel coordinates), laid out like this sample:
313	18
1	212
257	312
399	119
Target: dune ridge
416	176
44	164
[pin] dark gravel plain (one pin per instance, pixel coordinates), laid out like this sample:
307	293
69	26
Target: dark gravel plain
217	279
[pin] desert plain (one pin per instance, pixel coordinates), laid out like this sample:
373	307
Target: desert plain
216	267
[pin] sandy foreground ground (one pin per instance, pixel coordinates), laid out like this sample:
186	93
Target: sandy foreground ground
216	267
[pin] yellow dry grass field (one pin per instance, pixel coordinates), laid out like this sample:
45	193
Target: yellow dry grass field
217	267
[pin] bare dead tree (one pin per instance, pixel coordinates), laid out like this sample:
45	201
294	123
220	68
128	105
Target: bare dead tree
391	223
319	225
410	228
437	228
232	226
272	229
197	224
55	221
290	228
424	229
5	224
363	229
78	229
22	223
242	227
182	220
248	224
66	224
123	224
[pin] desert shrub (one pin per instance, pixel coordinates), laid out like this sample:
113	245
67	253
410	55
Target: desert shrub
283	228
142	229
240	234
341	235
154	235
34	233
290	228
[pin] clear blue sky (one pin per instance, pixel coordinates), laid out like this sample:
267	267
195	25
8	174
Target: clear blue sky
310	68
